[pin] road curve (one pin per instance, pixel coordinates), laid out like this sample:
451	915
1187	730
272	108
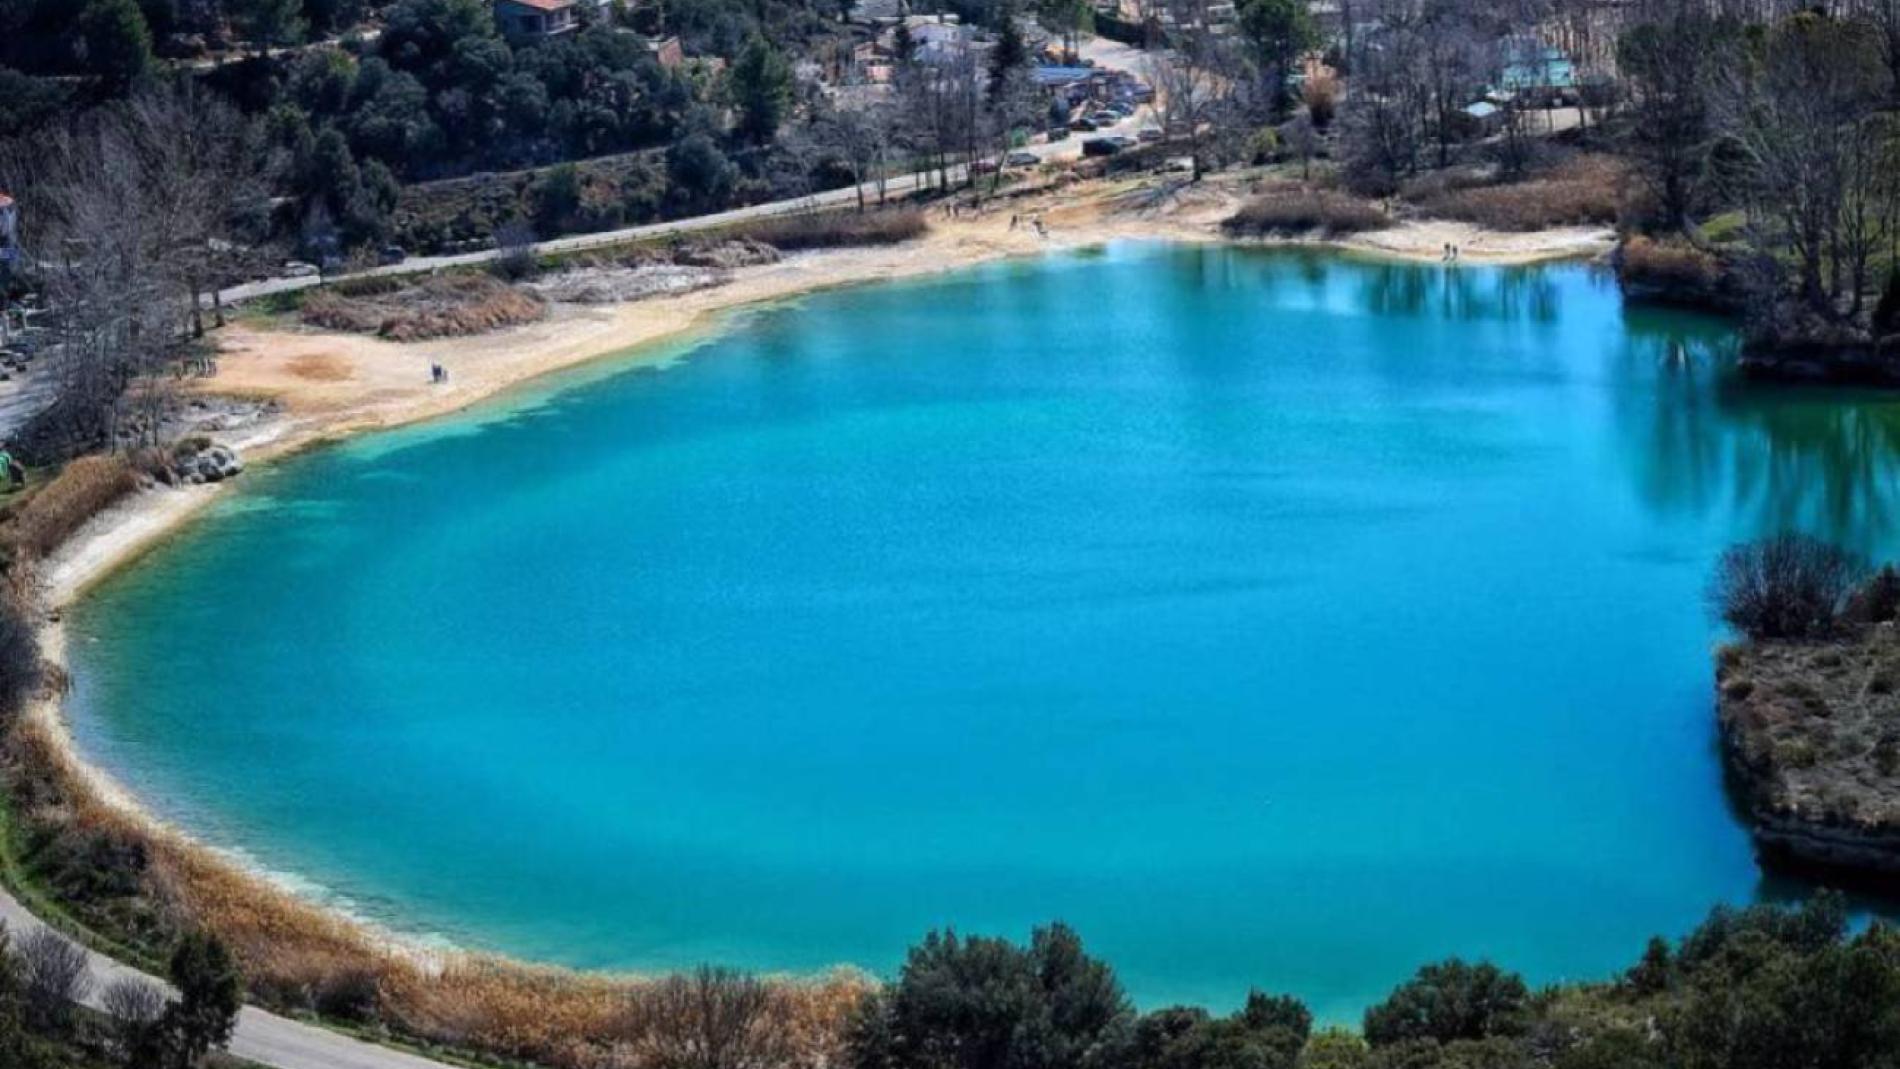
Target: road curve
261	1037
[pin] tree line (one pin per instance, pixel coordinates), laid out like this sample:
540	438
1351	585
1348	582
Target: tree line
1763	987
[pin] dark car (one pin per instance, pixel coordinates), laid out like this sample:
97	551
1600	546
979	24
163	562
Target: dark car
390	255
1100	146
1082	123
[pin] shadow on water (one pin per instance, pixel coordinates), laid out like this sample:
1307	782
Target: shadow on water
1703	439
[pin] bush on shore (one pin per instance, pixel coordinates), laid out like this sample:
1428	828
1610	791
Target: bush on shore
1295	213
1667	267
1583	191
837	229
443	306
1789	586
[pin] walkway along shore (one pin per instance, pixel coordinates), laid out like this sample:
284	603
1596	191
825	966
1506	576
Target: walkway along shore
328	386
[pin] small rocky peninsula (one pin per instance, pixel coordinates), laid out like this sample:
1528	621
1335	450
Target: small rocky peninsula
1810	731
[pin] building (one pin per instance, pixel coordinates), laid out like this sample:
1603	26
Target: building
668	52
529	19
1537	71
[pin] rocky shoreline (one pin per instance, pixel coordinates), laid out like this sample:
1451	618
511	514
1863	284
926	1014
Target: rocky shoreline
1810	736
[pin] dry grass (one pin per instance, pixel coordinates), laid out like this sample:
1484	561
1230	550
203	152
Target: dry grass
82	489
1582	191
151	885
443	306
1298	212
824	230
1672	266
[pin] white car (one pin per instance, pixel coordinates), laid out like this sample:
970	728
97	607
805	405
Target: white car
1021	159
299	269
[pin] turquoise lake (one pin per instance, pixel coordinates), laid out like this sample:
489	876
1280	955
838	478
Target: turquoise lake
1275	618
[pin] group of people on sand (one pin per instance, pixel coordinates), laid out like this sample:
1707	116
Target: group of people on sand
1451	253
437	373
1034	221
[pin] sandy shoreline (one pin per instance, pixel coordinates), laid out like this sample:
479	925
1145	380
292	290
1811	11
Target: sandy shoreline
330	386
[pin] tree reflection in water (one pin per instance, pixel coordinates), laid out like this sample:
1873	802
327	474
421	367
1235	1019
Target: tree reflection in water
1703	438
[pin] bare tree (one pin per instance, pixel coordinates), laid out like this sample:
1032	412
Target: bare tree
1813	147
711	1019
1196	81
861	137
132	209
1672	58
54	971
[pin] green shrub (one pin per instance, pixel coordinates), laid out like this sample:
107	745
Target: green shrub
1449	1001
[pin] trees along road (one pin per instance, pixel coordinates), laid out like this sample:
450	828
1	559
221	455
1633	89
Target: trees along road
261	1037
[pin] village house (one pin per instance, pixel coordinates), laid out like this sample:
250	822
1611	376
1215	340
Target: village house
529	19
668	52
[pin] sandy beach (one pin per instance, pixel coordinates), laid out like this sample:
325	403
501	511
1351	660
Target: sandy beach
326	386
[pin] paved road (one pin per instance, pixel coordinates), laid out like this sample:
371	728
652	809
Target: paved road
261	1037
1104	53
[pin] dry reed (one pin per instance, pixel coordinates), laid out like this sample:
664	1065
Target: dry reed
837	229
1583	191
82	489
1296	212
443	306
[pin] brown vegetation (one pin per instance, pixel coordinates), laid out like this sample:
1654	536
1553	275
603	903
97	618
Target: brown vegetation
1670	264
140	886
81	490
819	230
1296	212
1583	191
442	306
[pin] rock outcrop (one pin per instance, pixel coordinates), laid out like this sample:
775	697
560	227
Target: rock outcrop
1811	739
209	462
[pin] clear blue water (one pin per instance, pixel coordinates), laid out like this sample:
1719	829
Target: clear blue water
1276	619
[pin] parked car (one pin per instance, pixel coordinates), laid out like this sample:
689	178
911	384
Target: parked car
1149	133
1021	159
1104	118
1058	133
299	269
984	167
391	254
1121	141
1142	94
1100	146
1082	124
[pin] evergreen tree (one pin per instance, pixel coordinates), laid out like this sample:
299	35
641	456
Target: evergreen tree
1011	53
268	23
114	42
1279	30
761	85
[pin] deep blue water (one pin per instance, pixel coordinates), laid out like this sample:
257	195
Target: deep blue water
1275	618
